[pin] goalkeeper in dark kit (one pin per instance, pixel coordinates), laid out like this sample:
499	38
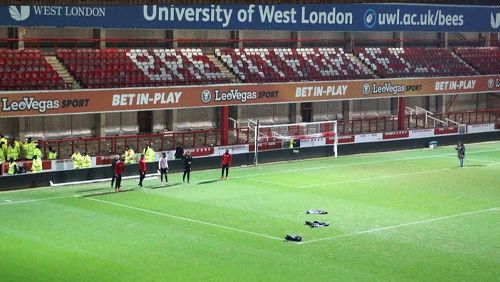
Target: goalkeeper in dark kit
460	153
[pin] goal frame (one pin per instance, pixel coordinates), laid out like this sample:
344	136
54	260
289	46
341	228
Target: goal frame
258	127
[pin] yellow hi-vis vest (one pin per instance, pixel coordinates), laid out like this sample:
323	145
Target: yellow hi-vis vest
29	150
18	146
36	165
4	146
86	161
12	153
129	156
77	160
2	156
149	155
12	168
52	156
37	152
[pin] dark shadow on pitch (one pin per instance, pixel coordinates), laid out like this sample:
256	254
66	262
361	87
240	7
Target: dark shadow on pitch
163	186
207	181
106	193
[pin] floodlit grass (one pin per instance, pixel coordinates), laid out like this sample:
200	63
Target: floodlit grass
409	215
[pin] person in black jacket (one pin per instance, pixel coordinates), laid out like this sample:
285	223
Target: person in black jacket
188	160
460	153
179	153
113	163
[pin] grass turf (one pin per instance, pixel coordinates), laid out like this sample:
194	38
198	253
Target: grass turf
408	215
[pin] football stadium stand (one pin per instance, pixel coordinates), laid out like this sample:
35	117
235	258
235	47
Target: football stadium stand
110	68
297	64
27	70
483	59
413	62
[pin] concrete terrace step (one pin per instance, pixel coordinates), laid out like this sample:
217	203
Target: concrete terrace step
358	61
223	68
465	63
62	71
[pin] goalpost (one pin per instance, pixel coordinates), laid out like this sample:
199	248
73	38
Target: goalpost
295	135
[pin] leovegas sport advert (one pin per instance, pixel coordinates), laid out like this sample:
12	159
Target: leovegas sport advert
13	104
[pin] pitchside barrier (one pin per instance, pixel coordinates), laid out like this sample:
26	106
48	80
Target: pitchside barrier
263	145
102	173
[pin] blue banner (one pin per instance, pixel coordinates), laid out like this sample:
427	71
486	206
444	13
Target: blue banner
331	17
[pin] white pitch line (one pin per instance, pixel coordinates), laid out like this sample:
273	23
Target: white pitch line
33	200
188	219
98	180
312	168
292	170
403	225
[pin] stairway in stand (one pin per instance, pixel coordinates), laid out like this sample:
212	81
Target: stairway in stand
63	72
223	69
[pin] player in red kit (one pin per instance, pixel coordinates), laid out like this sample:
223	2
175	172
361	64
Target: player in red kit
142	170
119	170
226	162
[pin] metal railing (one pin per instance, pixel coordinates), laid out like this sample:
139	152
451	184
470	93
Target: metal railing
110	145
53	43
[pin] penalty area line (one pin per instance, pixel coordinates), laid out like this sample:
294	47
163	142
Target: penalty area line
187	219
402	225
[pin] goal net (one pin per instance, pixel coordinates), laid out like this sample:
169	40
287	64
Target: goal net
296	135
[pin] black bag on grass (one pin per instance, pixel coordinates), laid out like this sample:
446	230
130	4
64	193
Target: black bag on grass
294	238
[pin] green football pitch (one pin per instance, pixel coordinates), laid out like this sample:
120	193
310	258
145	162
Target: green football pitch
395	216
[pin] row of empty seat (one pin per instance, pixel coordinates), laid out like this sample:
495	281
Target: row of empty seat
27	70
286	64
413	62
485	60
140	67
112	68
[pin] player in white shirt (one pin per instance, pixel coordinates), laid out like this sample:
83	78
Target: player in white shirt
163	167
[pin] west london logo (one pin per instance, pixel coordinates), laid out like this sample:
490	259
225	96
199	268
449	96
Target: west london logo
19	14
495	22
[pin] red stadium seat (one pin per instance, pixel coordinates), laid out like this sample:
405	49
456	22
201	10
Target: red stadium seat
140	67
484	59
285	64
413	62
25	70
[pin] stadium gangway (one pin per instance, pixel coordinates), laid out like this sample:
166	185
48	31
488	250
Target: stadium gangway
411	111
235	123
429	116
417	109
